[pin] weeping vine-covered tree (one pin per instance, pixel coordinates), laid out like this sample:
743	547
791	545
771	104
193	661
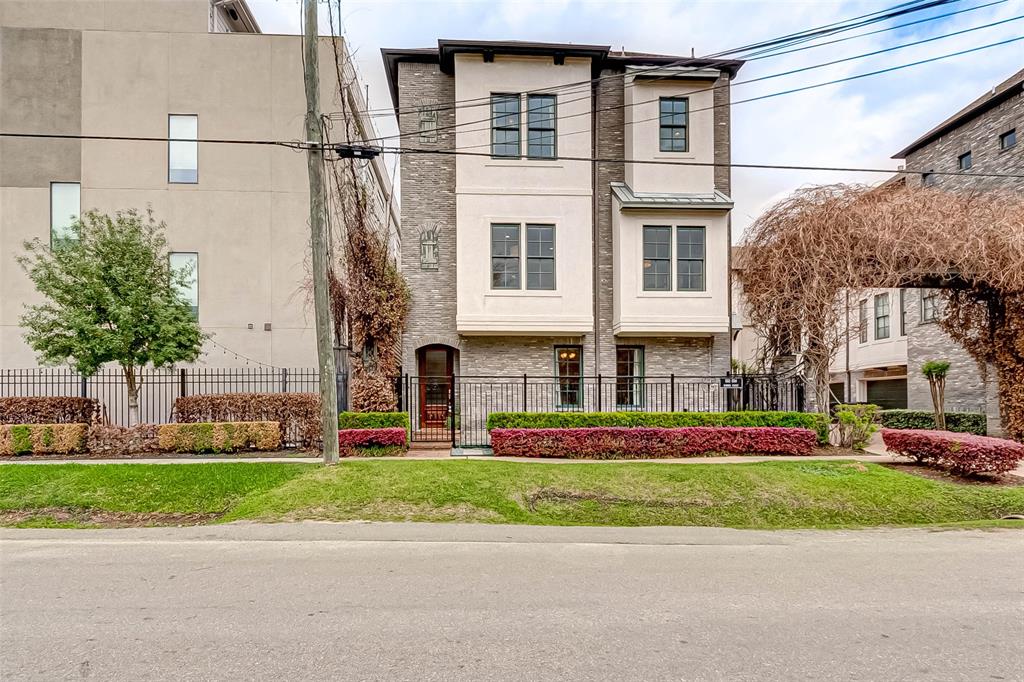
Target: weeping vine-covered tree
110	295
807	250
369	297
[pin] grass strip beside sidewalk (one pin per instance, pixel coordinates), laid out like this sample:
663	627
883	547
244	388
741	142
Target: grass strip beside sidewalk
766	495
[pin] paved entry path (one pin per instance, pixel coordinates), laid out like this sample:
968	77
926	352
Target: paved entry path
315	601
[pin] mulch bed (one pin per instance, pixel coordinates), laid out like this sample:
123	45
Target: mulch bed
1008	480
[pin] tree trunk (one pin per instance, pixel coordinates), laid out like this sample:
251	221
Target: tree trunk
134	414
940	405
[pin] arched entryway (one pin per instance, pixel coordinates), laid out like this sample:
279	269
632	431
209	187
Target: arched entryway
436	364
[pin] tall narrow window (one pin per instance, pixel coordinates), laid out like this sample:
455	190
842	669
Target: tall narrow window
881	316
964	162
505	257
65	209
541	131
903	312
862	320
690	259
569	366
540	257
929	305
657	258
673	121
629	376
505	125
183	154
186	265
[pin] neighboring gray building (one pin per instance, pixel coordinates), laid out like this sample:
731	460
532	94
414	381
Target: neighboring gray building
984	136
522	255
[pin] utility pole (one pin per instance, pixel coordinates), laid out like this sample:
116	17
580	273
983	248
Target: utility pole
321	300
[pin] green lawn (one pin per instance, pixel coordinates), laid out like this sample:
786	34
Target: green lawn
807	494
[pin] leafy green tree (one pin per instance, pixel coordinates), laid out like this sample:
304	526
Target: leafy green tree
935	371
110	296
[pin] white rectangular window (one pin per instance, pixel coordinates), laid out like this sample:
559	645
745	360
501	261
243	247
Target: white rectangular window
881	316
188	263
183	155
65	210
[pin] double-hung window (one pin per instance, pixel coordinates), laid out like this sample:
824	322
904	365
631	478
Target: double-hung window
929	305
65	210
903	312
673	119
182	149
569	368
862	320
881	316
690	253
505	257
540	126
540	257
629	377
185	269
505	125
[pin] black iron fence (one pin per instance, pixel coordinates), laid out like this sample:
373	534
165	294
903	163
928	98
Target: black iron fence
455	408
160	387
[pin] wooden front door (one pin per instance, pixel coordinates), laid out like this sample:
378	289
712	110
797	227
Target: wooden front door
435	385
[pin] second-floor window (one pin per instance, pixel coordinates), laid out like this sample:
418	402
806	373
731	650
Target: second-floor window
540	257
862	321
903	312
505	125
658	258
673	120
65	209
505	257
182	150
540	126
963	162
929	305
187	264
881	316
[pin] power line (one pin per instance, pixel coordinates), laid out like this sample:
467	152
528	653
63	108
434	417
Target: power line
624	106
717	164
828	29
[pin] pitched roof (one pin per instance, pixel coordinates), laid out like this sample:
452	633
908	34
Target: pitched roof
1013	85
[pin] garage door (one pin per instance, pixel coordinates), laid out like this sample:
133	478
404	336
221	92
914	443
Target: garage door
890	394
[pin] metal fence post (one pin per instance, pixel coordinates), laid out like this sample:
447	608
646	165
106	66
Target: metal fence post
284	380
598	392
672	392
524	393
452	410
182	382
84	386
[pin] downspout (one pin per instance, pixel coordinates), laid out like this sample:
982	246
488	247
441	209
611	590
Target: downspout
595	255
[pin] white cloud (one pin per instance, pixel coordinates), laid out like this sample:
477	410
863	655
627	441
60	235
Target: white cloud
856	124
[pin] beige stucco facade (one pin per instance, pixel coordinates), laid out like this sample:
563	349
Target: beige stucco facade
131	64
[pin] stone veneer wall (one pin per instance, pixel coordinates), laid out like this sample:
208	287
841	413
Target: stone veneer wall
428	199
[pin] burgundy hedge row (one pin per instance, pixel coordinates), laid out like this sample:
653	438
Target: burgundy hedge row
389	440
616	442
962	453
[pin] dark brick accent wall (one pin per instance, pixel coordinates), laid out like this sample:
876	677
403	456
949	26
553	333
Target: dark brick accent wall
723	134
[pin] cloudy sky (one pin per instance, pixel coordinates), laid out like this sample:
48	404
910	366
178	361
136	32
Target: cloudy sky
859	123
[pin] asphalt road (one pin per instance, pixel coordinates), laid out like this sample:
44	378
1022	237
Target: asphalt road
436	602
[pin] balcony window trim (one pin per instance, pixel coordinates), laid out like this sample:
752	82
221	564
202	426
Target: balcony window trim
553	129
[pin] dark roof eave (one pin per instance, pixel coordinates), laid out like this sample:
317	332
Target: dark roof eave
961	117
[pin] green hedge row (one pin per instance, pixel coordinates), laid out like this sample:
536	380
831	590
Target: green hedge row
961	422
373	420
581	420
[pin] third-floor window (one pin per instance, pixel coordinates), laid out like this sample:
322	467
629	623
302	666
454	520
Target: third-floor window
540	126
673	120
505	125
541	122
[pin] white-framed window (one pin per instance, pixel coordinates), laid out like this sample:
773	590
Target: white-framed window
187	262
182	150
929	305
882	316
65	210
862	320
689	261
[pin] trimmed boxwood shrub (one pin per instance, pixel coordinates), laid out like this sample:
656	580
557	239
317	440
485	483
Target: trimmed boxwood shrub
42	439
373	420
959	422
372	442
962	453
617	442
584	420
48	410
219	436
